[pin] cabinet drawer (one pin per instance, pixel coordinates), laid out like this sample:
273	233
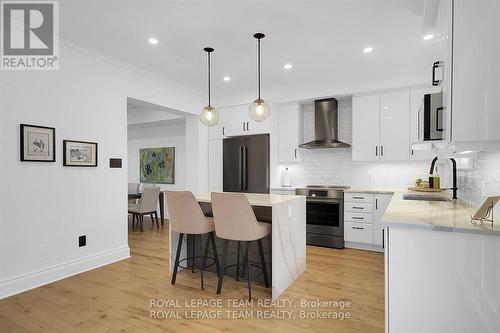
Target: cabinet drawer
358	217
358	197
358	207
358	232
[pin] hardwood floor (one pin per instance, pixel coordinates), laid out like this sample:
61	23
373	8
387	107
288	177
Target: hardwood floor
116	298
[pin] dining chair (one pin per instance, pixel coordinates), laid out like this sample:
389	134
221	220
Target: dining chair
146	205
235	220
133	188
187	218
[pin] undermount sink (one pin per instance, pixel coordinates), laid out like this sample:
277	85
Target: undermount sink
425	197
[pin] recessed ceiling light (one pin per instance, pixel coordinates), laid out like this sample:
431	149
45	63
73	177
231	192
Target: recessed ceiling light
227	78
368	49
428	36
153	41
288	66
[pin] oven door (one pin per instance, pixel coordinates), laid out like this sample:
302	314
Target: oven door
325	216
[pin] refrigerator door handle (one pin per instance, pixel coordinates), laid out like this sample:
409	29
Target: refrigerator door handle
245	169
240	168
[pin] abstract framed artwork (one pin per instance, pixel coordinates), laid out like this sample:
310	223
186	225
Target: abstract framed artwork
38	143
157	165
79	153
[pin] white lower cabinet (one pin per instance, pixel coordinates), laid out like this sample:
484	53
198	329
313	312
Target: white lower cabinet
358	232
362	219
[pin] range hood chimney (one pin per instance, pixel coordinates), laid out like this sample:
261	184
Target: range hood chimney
325	126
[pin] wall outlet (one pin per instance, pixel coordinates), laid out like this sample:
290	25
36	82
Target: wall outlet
82	240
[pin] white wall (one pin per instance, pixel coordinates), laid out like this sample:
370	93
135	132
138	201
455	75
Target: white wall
45	206
169	134
474	186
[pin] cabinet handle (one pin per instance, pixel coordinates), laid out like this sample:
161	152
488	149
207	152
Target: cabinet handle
295	153
223	130
383	239
376	150
381	150
412	152
247	126
356	207
436	65
244	127
376	203
357	218
358	228
361	198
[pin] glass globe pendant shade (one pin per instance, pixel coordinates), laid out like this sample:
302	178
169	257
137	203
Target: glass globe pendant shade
209	116
259	110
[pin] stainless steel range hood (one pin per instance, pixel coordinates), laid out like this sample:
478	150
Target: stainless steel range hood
325	126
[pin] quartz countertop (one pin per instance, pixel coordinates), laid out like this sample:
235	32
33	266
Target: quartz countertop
372	190
257	199
453	216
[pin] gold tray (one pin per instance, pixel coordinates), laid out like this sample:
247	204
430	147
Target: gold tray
424	189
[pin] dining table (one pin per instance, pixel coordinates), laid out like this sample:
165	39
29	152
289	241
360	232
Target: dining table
161	201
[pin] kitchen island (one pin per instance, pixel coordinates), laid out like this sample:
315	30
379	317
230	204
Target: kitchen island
442	272
287	243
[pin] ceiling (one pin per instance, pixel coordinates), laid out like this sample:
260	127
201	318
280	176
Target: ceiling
322	39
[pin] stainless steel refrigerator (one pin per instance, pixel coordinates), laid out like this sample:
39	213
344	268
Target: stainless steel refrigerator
246	164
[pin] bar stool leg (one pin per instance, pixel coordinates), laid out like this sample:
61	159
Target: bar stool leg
238	263
214	250
248	267
194	253
245	259
202	262
142	219
223	268
263	263
177	255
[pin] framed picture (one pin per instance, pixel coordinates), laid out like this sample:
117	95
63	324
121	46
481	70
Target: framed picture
157	165
79	153
38	143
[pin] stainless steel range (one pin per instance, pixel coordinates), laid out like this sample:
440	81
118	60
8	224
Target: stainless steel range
324	215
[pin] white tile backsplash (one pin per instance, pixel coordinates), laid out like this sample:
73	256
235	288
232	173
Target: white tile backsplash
474	186
335	166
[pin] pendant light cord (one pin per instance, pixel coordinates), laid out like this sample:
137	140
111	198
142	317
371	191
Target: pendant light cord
258	57
209	79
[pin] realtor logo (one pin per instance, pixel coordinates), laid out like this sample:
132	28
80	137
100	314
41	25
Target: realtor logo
29	35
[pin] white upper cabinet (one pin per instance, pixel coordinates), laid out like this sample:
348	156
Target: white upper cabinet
365	128
476	72
237	121
217	132
380	129
394	126
289	133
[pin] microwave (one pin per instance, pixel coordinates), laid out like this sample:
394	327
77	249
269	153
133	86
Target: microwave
430	117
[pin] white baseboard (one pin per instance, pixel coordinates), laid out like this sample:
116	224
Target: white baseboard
18	284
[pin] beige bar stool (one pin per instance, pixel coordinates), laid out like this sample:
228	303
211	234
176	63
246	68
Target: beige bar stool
235	220
186	217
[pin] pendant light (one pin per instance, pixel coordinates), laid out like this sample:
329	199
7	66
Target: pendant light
259	109
209	115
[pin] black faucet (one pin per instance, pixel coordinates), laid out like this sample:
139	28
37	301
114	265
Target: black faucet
454	163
